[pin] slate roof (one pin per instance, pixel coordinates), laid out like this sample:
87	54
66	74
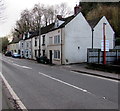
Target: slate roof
43	30
67	20
94	22
15	40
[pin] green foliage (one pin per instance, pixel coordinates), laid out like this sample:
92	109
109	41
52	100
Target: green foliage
87	7
110	10
117	42
3	44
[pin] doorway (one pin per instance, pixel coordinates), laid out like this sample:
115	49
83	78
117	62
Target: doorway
50	52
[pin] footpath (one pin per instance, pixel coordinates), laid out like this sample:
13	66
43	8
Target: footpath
82	68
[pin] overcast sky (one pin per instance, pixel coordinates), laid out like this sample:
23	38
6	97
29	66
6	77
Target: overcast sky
14	8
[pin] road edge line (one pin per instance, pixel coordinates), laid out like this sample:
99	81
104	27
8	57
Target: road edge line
13	94
87	73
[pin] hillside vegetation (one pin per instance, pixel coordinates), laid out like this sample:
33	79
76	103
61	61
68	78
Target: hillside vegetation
110	10
93	10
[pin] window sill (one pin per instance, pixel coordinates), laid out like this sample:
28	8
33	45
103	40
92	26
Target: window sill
54	45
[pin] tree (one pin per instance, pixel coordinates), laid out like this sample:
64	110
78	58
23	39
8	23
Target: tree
3	44
39	16
110	11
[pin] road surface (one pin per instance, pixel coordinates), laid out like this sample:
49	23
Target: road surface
42	86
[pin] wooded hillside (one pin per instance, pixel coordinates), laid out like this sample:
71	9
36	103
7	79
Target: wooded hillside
111	10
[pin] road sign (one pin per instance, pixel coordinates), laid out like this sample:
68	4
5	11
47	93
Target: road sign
106	45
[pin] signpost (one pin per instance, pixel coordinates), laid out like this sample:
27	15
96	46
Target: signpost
106	45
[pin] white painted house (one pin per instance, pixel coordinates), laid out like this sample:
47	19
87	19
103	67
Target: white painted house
14	46
66	41
22	48
54	46
69	42
42	46
35	46
97	30
28	46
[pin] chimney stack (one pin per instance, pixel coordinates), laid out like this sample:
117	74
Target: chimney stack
77	9
59	17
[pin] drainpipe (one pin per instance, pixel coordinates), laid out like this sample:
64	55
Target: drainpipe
61	46
92	37
31	49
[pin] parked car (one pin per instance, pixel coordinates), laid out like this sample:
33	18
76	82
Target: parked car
16	55
8	53
42	59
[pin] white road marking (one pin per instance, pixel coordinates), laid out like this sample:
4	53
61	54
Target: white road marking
12	63
68	84
22	66
19	102
95	76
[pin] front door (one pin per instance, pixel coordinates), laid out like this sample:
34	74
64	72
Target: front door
50	52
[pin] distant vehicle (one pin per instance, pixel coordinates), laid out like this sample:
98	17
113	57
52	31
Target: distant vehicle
8	53
43	59
16	55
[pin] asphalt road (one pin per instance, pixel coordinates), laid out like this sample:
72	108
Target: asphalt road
52	87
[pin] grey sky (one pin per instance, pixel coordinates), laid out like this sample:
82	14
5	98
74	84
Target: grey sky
14	8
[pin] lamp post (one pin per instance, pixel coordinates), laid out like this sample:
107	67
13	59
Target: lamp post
104	40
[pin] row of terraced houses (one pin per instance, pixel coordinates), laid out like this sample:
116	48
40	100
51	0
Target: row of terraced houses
65	41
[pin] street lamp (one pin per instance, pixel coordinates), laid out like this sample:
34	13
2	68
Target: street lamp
104	40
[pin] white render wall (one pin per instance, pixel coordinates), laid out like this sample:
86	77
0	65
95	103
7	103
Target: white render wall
35	47
28	49
77	39
14	47
98	34
53	46
43	47
22	48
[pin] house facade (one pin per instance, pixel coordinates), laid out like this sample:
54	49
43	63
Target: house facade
14	46
35	47
66	41
28	49
98	30
54	46
39	41
69	42
22	48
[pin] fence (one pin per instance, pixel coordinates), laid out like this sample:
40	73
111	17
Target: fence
96	56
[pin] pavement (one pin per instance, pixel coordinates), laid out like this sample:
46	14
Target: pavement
82	68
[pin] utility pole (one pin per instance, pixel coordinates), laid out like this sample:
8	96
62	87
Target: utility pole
39	37
104	40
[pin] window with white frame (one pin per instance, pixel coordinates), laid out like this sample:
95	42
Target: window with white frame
56	54
57	39
50	41
22	44
43	40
